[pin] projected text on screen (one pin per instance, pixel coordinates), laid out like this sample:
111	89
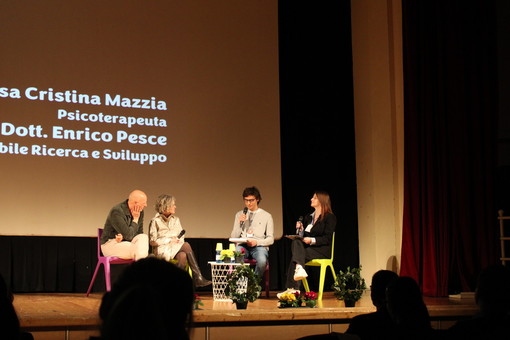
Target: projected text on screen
108	140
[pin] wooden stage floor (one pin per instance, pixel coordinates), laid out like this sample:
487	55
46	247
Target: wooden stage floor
75	316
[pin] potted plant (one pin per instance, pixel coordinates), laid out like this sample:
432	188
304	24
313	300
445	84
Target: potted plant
289	298
310	299
242	286
239	255
293	298
197	302
226	255
349	286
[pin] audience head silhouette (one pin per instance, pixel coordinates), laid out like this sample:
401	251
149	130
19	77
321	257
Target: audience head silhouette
4	291
380	281
493	291
407	308
152	299
9	322
493	299
377	325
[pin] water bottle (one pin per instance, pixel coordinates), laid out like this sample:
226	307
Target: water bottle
219	248
232	247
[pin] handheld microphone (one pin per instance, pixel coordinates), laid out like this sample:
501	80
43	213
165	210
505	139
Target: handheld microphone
245	210
181	234
299	225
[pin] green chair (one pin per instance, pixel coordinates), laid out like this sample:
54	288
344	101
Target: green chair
323	263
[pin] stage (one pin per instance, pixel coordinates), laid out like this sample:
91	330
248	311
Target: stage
75	316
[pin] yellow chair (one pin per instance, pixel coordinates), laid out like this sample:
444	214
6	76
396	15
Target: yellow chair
188	268
324	264
174	261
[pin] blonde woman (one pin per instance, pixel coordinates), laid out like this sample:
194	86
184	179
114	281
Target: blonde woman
167	238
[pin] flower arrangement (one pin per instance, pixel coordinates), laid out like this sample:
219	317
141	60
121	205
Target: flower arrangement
349	285
240	252
294	298
289	298
226	253
197	302
310	299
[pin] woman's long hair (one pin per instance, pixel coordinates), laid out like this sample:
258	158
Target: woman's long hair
325	202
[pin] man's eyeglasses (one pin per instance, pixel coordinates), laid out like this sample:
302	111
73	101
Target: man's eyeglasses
251	200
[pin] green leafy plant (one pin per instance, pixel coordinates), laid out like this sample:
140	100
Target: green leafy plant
349	285
243	285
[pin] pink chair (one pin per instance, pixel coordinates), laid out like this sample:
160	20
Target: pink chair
105	261
253	262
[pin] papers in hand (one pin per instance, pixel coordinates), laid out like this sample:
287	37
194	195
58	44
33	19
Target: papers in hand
292	237
238	239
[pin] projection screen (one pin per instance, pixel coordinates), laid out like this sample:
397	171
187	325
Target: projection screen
98	98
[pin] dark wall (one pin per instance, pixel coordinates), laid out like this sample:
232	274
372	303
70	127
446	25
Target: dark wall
317	116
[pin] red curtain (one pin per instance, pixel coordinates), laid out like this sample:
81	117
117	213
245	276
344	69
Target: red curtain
450	103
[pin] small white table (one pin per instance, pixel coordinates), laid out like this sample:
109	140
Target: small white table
219	271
